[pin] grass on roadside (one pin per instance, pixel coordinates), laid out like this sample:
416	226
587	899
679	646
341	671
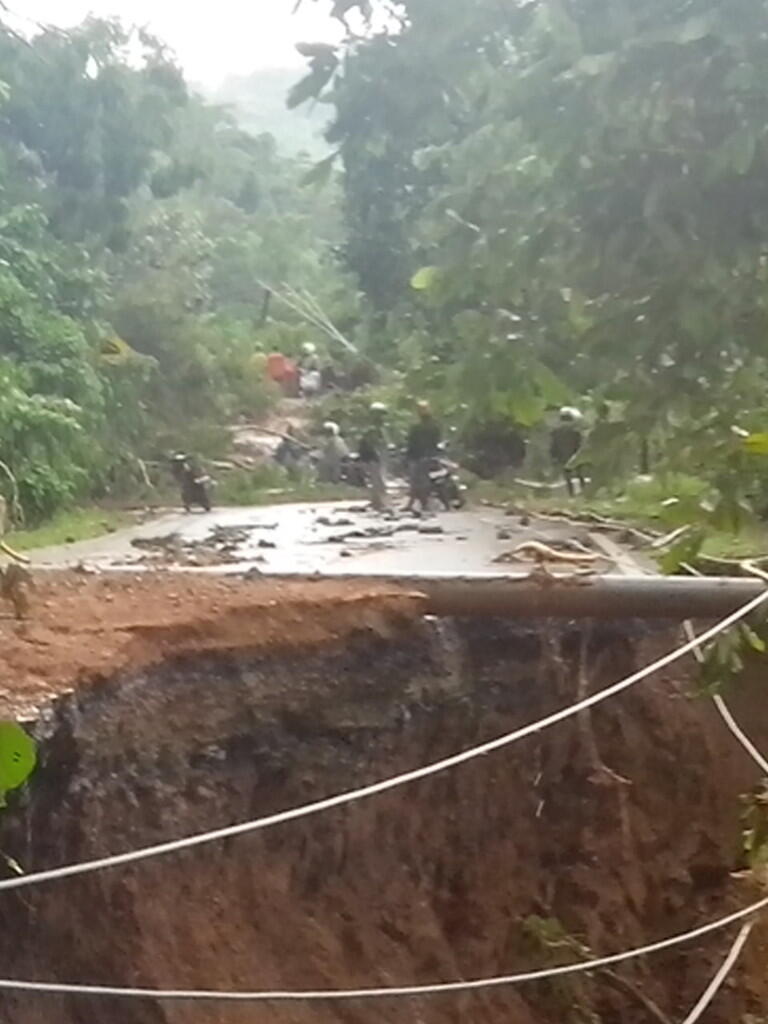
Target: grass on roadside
69	526
270	485
645	503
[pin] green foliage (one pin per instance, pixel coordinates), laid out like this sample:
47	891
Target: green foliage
754	819
132	210
683	552
18	758
574	191
726	657
69	526
269	484
251	486
570	999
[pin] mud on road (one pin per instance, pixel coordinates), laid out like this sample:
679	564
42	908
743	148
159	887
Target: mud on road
330	538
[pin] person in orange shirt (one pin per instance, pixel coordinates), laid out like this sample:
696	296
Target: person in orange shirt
283	372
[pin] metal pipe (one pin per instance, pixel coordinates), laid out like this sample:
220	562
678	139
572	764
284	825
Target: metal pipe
570	597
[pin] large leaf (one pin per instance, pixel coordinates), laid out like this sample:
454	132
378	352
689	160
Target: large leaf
756	444
552	390
18	757
317	51
684	550
425	278
320	173
310	87
115	351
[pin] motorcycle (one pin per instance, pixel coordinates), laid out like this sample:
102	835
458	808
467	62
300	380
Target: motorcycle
196	490
352	471
444	484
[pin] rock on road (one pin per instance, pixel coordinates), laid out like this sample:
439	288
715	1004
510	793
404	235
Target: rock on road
328	538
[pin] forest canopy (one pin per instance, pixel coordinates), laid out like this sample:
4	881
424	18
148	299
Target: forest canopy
523	205
139	226
566	197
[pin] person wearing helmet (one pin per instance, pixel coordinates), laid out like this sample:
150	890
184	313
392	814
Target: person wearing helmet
310	377
565	442
193	482
333	452
422	447
371	450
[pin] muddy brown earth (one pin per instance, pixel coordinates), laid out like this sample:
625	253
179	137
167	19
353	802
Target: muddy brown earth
83	628
231	700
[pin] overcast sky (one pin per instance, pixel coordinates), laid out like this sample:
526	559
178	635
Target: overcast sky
211	39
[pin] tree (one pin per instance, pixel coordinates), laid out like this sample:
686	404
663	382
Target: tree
134	219
591	201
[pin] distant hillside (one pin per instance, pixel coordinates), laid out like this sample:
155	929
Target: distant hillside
259	101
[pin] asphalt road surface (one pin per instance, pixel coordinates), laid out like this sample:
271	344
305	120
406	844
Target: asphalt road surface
327	538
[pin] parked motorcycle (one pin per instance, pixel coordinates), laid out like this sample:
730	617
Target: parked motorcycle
445	484
352	471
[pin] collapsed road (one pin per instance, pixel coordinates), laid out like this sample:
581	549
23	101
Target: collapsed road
168	703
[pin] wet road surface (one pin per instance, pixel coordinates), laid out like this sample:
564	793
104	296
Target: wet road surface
329	538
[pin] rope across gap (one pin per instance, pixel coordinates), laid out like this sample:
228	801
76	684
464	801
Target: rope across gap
350	796
717	982
723	709
315	995
694	644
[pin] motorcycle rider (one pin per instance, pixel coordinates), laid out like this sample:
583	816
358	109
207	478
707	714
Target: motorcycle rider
192	482
333	452
422	451
371	452
566	440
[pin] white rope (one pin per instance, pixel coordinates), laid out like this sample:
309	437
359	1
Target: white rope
714	986
313	995
173	846
739	733
725	711
209	995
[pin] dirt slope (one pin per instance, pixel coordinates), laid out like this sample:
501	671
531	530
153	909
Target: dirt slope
437	881
84	628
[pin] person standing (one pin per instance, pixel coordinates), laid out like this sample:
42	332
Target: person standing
565	442
422	449
332	454
371	452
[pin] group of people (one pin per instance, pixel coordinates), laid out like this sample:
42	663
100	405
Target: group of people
302	377
421	450
335	456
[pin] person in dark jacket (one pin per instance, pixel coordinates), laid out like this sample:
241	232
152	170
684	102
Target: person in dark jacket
566	440
371	449
421	451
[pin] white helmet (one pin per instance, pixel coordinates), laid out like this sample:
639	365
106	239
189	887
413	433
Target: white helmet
570	415
308	348
331	427
378	407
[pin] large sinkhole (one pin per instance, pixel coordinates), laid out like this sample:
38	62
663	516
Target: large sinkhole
605	832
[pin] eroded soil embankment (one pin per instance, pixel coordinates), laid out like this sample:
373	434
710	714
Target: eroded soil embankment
435	881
